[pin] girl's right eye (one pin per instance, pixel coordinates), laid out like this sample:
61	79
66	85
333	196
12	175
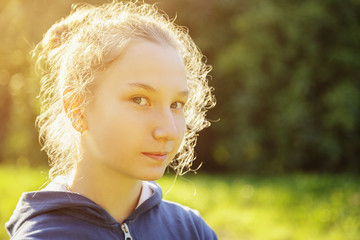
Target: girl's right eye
142	101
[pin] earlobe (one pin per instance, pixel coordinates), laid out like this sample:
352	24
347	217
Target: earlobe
72	105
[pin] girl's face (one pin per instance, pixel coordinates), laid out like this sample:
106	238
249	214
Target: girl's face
136	119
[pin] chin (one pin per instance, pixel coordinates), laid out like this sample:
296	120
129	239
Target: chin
153	176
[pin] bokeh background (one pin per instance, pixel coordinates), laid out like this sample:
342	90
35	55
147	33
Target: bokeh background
286	75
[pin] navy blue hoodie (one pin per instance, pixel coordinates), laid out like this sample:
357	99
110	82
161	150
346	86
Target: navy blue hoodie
56	214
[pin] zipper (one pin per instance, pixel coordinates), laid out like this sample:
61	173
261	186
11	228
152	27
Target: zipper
125	229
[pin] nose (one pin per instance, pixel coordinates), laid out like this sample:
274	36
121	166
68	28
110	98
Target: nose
166	128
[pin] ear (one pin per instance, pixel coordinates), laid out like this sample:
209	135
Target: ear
72	105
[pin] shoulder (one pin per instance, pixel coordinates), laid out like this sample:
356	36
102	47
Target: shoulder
179	209
177	221
61	225
185	220
58	215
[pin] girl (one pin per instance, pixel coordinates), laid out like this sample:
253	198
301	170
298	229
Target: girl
123	94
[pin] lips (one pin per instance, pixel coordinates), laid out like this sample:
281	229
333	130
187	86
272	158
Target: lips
158	156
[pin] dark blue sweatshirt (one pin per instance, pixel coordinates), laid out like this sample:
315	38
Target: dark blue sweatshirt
57	214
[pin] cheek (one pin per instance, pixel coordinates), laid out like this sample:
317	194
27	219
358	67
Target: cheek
113	124
115	137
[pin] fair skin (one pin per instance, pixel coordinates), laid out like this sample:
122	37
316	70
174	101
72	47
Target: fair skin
135	125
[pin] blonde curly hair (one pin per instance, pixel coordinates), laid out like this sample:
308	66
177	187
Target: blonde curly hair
77	47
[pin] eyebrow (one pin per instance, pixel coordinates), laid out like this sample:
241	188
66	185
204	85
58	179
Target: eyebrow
151	89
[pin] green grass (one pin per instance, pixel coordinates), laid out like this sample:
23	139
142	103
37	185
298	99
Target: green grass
282	207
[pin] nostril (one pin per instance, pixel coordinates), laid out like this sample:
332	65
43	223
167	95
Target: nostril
165	133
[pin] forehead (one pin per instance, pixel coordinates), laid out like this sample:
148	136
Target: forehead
148	62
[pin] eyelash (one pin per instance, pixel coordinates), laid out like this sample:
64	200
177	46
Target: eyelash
181	105
135	100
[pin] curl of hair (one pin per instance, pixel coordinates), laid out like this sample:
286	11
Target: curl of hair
86	42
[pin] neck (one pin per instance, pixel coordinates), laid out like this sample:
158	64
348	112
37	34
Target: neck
116	193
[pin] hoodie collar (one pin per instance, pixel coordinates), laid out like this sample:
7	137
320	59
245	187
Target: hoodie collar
55	197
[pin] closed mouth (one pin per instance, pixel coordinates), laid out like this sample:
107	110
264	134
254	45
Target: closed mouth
158	156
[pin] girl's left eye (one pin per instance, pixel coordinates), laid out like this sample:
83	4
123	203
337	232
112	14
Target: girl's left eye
177	105
142	101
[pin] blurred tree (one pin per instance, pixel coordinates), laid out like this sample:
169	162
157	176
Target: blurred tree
19	85
293	97
5	106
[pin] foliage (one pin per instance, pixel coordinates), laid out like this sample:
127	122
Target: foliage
249	207
286	75
297	100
